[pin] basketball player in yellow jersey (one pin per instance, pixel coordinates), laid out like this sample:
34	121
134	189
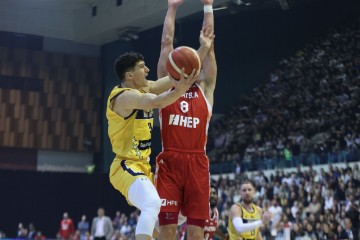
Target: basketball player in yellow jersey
245	218
129	114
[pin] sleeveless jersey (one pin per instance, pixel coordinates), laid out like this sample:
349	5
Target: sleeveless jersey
247	217
130	136
211	225
184	124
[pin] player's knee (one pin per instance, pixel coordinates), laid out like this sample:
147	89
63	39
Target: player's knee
152	206
168	231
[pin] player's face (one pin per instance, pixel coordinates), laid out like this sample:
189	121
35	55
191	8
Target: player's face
213	197
247	193
140	73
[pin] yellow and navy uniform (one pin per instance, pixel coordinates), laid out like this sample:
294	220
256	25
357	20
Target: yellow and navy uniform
130	138
247	217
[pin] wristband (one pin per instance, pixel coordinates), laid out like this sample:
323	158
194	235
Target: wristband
208	9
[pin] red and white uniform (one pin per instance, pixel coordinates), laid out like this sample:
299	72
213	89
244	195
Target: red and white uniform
182	176
211	225
184	124
66	229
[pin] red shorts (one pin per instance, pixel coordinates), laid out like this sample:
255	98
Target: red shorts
182	181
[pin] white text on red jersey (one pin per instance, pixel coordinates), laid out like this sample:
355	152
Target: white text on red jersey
183	121
190	95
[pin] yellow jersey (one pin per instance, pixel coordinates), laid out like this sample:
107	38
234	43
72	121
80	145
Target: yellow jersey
246	217
130	137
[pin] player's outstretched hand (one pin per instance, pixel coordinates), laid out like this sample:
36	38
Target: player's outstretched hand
175	3
207	2
206	37
266	217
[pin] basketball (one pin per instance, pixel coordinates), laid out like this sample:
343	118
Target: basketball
182	57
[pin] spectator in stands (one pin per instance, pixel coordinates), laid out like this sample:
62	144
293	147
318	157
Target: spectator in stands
308	105
2	234
83	227
117	220
22	231
101	227
39	236
276	211
350	231
314	206
32	231
66	229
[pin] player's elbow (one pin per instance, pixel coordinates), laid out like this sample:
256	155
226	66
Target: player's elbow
167	40
238	225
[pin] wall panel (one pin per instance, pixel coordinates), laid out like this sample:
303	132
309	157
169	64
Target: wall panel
46	98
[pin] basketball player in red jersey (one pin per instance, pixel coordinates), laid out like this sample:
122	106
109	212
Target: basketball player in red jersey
182	175
211	224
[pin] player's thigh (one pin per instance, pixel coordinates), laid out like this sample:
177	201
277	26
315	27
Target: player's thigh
124	173
168	183
197	189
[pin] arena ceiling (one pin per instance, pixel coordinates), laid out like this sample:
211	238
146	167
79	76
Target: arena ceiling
101	21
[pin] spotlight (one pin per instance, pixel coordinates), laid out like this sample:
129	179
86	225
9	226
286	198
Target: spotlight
128	33
284	4
132	35
242	2
238	2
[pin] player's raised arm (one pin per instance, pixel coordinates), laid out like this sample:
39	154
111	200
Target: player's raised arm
240	225
167	37
134	99
209	74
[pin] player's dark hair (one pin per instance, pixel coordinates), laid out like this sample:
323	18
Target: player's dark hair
214	186
126	62
248	181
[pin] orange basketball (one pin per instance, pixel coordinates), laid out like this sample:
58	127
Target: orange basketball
182	57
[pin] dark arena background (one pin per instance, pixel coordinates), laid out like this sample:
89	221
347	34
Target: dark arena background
286	111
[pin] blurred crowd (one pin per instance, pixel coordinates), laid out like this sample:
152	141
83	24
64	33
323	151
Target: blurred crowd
308	112
316	205
119	227
310	204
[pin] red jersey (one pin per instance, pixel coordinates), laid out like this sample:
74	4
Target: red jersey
184	124
211	225
66	228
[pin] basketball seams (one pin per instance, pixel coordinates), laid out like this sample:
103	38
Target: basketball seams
176	68
184	55
195	54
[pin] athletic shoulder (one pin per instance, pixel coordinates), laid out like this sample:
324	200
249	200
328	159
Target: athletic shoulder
235	210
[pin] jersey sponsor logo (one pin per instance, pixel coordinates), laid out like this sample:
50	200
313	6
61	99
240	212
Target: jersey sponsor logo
209	229
183	121
141	114
169	216
165	202
144	144
190	95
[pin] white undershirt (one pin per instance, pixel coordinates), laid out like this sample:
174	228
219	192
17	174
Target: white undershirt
100	227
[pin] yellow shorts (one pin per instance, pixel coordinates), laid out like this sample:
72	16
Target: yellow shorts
124	172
